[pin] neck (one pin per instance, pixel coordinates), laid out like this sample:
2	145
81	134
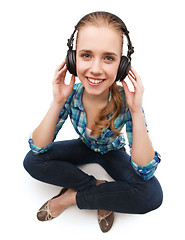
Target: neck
96	99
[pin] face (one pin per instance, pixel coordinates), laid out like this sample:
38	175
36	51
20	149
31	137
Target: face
98	55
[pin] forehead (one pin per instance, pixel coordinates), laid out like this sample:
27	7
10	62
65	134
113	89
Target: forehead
101	38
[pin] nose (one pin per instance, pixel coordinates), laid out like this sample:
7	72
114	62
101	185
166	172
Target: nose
96	68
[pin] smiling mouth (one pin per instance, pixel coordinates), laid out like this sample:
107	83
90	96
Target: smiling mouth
95	81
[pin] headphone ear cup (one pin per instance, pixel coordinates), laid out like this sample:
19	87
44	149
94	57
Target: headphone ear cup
71	61
124	67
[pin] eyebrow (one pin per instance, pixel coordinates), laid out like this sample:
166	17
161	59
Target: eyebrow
105	53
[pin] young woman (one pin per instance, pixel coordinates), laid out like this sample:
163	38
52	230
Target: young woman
98	109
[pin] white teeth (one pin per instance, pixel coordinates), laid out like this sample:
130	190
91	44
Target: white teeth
95	81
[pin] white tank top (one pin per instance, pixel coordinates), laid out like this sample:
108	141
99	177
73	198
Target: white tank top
88	133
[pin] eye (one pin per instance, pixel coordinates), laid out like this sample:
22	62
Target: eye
109	59
85	56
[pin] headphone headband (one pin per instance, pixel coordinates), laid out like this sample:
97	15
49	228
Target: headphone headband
114	17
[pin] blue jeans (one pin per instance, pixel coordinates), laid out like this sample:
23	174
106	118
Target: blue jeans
129	193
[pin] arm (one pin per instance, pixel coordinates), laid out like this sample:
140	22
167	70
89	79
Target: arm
44	133
147	171
142	151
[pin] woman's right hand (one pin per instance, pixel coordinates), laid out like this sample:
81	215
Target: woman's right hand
62	91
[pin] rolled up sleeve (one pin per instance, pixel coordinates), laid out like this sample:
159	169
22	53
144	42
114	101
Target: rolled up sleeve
147	172
36	150
62	118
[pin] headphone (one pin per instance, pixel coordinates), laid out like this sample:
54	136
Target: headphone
125	62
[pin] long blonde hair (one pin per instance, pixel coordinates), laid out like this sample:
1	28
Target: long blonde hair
115	104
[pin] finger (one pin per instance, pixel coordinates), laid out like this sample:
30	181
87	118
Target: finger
133	71
132	75
125	87
136	83
61	65
137	77
60	76
72	80
133	80
63	69
62	72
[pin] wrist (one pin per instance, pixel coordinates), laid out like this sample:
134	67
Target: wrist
138	113
57	106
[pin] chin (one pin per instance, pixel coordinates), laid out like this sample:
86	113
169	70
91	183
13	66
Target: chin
96	91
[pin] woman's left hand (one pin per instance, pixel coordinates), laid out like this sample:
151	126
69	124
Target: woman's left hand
134	99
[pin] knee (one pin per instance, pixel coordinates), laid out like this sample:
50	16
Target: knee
29	163
154	204
154	196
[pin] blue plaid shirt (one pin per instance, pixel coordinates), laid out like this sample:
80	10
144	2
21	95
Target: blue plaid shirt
104	143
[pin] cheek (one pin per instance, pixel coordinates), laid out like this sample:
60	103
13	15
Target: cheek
80	67
112	71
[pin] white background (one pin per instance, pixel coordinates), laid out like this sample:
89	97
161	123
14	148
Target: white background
33	37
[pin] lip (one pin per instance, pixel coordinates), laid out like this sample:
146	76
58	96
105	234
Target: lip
95	78
94	84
